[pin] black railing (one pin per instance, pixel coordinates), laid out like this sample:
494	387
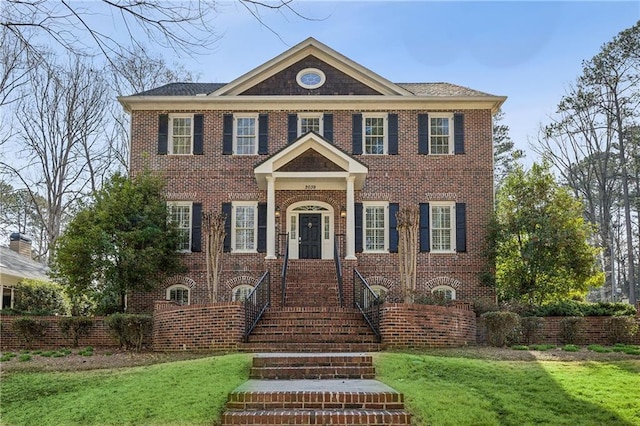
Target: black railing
336	259
367	302
256	303
283	275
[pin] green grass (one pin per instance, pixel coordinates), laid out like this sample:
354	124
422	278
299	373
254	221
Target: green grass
180	393
439	390
462	391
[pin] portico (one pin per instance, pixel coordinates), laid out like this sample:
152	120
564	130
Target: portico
311	163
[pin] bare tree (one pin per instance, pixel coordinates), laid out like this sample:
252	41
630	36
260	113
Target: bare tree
213	224
59	156
408	224
504	155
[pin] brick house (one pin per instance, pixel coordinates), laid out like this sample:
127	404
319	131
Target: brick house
311	153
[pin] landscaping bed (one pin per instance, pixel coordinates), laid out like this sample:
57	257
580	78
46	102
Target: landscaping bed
107	358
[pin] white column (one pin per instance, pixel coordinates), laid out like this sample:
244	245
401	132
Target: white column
271	218
351	219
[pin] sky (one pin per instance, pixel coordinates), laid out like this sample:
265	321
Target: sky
528	51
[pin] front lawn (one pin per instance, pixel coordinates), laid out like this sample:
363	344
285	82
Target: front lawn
441	388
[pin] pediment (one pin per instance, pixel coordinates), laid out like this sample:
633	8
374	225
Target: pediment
311	157
277	77
311	161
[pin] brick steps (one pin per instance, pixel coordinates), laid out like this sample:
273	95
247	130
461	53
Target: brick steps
309	347
317	417
312	283
301	399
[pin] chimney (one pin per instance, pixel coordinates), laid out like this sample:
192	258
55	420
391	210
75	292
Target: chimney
20	244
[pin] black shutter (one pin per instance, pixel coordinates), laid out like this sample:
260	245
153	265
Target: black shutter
196	227
358	227
356	132
461	227
327	127
458	133
262	227
392	124
263	134
198	130
423	133
393	227
226	211
163	134
227	134
292	127
425	243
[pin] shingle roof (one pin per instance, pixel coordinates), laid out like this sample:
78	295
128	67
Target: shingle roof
182	89
440	89
17	265
418	89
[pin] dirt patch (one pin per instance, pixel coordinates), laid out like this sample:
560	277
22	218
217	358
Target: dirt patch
114	358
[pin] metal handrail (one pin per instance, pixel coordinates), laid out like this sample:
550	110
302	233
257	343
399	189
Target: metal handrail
336	259
367	302
285	267
256	303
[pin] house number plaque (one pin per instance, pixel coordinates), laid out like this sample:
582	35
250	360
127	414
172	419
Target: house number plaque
308	187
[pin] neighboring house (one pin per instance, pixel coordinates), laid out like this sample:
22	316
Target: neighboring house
312	151
16	264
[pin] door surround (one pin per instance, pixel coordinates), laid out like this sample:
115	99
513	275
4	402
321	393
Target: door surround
327	232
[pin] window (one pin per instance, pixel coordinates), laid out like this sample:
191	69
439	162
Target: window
375	229
241	292
180	134
309	123
375	134
310	78
178	294
244	233
245	134
440	134
379	290
180	214
444	291
442	227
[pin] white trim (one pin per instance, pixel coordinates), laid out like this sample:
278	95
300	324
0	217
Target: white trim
170	133
316	71
179	287
451	140
385	206
293	218
255	117
250	103
452	221
171	205
317	115
253	204
385	126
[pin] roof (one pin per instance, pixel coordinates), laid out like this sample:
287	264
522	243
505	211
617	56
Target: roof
418	89
182	89
17	265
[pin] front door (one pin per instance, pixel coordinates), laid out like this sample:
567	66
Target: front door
310	235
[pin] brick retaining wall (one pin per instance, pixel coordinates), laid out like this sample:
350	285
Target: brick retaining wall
99	335
217	327
405	326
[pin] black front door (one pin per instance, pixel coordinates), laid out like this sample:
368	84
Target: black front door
310	236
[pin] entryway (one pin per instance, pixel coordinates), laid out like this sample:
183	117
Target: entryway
310	230
310	241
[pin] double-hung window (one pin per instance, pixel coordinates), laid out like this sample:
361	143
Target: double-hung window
440	134
245	134
375	227
180	215
180	134
374	133
442	227
309	122
244	226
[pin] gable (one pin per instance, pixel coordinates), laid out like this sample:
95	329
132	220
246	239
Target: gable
284	82
311	161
